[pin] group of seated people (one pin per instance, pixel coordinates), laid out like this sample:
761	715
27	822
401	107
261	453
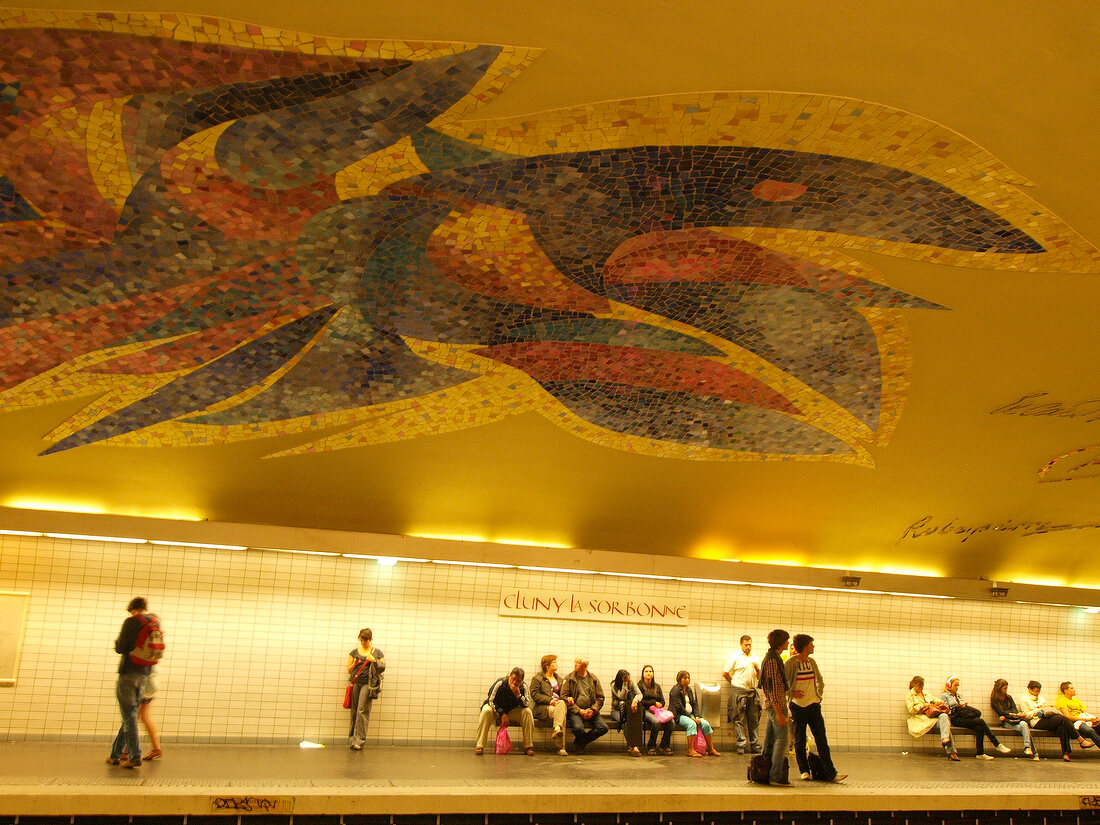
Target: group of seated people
576	700
1067	717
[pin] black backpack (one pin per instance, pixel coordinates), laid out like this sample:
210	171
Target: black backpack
816	766
760	768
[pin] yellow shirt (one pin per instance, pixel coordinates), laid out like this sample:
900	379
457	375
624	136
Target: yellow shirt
1070	707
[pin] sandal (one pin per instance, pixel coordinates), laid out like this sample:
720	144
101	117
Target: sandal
634	752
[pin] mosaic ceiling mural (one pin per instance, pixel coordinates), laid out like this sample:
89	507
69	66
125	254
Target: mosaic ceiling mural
215	232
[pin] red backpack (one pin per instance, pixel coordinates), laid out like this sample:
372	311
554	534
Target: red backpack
149	647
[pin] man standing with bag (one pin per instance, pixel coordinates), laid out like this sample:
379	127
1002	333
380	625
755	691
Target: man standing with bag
807	688
130	687
507	699
742	671
773	681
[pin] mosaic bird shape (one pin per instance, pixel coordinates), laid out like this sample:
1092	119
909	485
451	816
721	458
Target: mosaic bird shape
216	233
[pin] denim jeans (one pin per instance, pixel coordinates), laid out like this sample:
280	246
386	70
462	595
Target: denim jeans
577	724
1021	727
130	688
745	716
775	743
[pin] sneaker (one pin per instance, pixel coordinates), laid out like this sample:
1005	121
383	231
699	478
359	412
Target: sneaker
983	756
1035	757
112	761
126	763
741	751
806	775
652	751
563	752
666	751
1002	748
1027	751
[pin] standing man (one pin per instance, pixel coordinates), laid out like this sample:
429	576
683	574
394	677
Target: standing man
742	671
583	694
807	689
507	696
130	688
773	681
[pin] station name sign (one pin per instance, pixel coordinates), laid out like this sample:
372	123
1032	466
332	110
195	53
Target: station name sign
600	607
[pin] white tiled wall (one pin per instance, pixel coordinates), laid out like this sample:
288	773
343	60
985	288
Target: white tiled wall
257	643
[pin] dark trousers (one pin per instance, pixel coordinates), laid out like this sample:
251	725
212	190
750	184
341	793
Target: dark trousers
654	726
581	734
811	716
1061	726
980	728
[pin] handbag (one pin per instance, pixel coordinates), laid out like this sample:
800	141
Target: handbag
504	741
662	715
699	742
351	684
965	712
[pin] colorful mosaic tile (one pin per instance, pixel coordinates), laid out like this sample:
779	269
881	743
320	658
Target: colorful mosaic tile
227	231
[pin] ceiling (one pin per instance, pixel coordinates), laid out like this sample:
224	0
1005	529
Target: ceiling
771	283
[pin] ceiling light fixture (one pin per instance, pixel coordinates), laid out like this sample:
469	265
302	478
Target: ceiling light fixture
198	544
296	552
556	570
850	580
470	563
76	537
19	533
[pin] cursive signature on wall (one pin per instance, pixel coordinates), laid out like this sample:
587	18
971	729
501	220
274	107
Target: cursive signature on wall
1036	404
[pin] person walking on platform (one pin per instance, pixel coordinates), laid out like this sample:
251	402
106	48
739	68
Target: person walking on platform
130	687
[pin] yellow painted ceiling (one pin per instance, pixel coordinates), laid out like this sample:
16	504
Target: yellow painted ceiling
974	480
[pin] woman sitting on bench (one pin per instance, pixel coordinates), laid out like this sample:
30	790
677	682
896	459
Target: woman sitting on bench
965	716
925	714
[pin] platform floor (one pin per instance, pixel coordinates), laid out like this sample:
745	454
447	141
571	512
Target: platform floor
74	779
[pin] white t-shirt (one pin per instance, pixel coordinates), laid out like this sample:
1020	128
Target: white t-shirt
743	670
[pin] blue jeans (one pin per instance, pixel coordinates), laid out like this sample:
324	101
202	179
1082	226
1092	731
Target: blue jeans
1021	727
775	744
130	688
577	724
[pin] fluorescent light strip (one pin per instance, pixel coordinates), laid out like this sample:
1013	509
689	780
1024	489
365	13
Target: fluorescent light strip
300	552
76	537
556	570
918	595
198	544
785	586
470	563
380	559
635	575
19	533
708	581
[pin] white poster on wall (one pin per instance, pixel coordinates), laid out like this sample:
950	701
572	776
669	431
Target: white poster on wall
599	607
13	615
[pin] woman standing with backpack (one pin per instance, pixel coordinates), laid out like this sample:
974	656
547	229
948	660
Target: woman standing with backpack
366	664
